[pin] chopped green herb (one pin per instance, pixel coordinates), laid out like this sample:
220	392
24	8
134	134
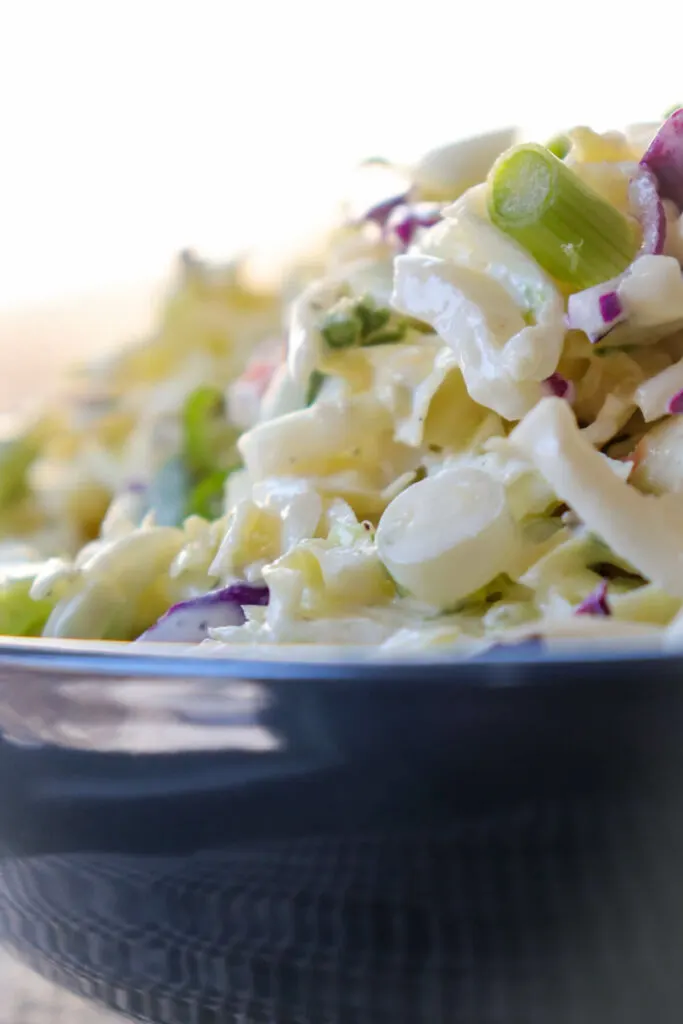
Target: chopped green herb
192	482
206	498
315	382
363	323
208	438
341	330
387	337
371	318
418	325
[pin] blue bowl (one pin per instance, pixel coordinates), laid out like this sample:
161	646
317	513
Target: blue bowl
197	841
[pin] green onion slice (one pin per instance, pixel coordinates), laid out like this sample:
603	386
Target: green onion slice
208	437
571	231
206	498
559	146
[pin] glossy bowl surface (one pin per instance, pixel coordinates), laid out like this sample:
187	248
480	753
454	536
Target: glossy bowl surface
207	840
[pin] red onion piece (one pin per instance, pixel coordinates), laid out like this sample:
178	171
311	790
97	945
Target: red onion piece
596	603
647	206
189	621
675	406
610	307
664	158
379	213
559	387
595	311
406	220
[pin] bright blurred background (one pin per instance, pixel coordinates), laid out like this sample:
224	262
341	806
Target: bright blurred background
133	128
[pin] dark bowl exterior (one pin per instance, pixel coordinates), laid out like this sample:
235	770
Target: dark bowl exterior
493	841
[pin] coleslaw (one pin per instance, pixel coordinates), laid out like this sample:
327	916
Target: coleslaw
457	424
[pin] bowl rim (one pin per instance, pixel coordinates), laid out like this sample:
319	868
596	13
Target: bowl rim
502	665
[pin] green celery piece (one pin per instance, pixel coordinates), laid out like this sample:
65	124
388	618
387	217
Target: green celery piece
20	615
571	231
208	437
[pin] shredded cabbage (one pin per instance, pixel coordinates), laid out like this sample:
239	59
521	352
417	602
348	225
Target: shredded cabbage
479	290
645	530
369	447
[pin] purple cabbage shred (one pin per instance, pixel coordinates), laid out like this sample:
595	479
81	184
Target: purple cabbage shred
238	593
596	603
664	158
189	621
379	213
405	221
559	387
675	406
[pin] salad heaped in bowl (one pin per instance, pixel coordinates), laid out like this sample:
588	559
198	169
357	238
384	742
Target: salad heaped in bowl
458	424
